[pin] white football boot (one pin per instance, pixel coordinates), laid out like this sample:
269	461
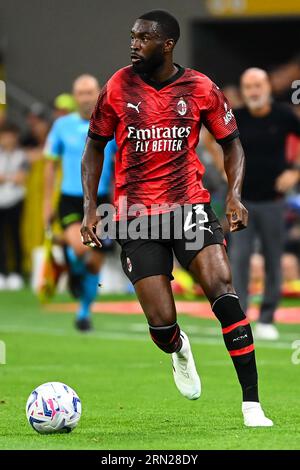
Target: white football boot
254	415
185	374
266	332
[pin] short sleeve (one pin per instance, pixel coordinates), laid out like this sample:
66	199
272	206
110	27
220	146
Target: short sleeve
104	119
54	146
218	116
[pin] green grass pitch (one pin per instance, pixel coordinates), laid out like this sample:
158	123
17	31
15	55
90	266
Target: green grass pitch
126	386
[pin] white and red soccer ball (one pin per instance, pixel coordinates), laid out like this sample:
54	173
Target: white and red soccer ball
53	408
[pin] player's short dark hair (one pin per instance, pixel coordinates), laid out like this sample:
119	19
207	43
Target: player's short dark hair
167	22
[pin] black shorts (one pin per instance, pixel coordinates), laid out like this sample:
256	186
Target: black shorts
70	211
185	232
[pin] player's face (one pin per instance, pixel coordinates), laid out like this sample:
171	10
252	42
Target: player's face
256	90
86	93
147	46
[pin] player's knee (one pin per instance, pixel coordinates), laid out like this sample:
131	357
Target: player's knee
227	309
166	337
221	285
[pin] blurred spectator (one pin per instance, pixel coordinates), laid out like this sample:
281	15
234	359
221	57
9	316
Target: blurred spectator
13	169
38	126
264	127
64	104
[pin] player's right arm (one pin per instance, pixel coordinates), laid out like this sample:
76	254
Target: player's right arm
102	128
91	169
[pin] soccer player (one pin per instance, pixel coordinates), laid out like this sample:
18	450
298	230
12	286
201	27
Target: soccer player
155	108
66	141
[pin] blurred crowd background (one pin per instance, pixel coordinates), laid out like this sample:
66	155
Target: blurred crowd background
45	45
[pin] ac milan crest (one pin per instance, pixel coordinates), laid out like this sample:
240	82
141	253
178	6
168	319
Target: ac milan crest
181	107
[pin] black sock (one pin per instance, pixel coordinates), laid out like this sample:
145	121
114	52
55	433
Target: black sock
166	337
239	342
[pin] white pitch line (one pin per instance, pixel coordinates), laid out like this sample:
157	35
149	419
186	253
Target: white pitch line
194	330
130	337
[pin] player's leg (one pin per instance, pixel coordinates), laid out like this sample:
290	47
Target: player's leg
148	265
85	264
156	298
211	269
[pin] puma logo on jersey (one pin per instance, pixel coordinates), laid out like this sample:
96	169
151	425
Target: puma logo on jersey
134	106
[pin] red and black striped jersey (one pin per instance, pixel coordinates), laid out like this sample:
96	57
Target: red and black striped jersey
156	126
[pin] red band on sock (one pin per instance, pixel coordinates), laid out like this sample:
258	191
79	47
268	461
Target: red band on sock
177	332
229	328
242	351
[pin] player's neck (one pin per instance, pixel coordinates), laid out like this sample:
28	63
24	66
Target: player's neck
163	73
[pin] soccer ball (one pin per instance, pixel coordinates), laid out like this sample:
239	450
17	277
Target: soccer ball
53	408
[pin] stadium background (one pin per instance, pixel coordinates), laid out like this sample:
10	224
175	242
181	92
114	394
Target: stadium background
43	47
65	43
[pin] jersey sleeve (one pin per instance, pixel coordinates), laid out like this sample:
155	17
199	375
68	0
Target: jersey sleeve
54	145
104	119
218	116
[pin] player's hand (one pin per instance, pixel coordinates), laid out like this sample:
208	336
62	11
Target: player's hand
236	213
287	180
88	230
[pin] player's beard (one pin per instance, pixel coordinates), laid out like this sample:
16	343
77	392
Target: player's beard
150	65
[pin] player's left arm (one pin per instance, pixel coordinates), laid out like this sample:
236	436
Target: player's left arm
234	164
218	118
